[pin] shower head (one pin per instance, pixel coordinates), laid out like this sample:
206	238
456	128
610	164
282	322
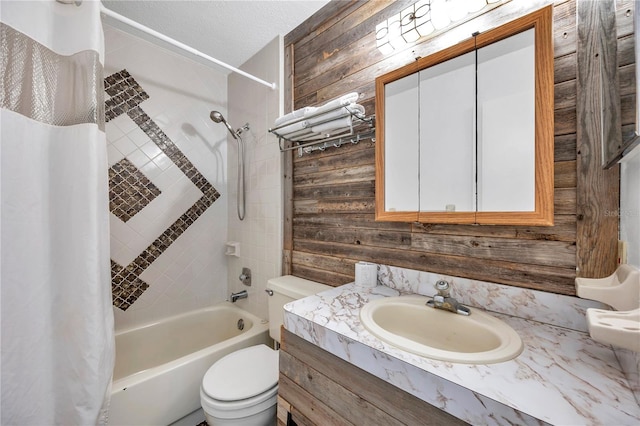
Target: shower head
217	117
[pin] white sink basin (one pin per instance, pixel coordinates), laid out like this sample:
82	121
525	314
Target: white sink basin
407	323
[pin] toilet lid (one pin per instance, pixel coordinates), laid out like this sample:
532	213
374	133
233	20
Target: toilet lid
242	374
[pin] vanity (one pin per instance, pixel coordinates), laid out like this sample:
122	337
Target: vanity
333	371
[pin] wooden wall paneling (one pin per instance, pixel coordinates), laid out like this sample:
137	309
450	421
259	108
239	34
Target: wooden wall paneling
564	229
610	92
565	147
550	278
326	53
320	21
348	405
313	412
332	193
597	189
548	253
287	166
353	394
283	408
564	68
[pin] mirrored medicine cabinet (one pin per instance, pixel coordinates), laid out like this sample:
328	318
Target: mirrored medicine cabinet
465	135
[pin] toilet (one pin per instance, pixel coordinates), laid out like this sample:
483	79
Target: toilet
242	387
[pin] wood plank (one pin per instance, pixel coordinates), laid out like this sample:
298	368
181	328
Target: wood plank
358	205
341	158
365	172
358	236
404	407
282	410
355	220
610	88
548	278
349	190
549	253
300	419
624	18
627	76
565	175
565	94
598	189
344	402
340	265
564	229
287	212
320	21
287	167
628	106
565	121
564	147
311	408
320	275
626	52
564	201
564	68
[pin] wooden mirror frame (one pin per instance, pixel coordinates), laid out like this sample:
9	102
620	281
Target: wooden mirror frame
542	21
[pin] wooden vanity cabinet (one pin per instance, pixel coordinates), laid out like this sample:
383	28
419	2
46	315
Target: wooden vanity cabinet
318	388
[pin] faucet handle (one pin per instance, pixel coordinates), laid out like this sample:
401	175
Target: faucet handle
443	288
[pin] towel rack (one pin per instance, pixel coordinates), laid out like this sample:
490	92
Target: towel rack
310	141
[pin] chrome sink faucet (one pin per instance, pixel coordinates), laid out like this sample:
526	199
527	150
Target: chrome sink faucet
443	300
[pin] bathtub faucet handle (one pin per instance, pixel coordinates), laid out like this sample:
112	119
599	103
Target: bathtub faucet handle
245	277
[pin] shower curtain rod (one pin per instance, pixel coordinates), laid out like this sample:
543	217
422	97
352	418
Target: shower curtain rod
180	45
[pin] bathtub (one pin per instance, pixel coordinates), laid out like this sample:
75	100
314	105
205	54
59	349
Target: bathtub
159	366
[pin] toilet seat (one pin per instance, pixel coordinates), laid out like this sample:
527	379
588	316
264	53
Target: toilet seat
249	406
241	383
242	374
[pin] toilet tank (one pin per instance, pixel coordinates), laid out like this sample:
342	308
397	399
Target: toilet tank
287	289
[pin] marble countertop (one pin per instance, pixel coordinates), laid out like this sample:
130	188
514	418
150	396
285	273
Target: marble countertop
562	377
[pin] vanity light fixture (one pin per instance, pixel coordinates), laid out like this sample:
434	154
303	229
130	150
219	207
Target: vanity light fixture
427	18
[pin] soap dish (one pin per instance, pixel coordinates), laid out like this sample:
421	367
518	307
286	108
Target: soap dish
621	291
618	328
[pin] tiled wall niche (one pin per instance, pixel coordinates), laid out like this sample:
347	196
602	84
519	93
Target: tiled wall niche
260	233
168	176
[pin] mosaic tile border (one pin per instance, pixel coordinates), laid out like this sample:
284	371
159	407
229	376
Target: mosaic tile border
129	190
126	96
125	93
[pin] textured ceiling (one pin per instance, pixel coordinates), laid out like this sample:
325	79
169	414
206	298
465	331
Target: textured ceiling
231	31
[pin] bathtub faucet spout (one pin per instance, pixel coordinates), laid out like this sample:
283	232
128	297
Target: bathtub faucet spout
239	295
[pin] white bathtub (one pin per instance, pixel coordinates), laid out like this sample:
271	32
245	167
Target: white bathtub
159	366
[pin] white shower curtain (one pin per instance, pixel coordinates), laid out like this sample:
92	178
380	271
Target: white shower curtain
56	312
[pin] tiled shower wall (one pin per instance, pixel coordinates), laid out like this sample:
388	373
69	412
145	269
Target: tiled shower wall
260	233
168	180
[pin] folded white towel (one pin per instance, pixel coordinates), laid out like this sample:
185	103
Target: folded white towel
333	125
291	128
299	135
343	100
293	115
339	113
